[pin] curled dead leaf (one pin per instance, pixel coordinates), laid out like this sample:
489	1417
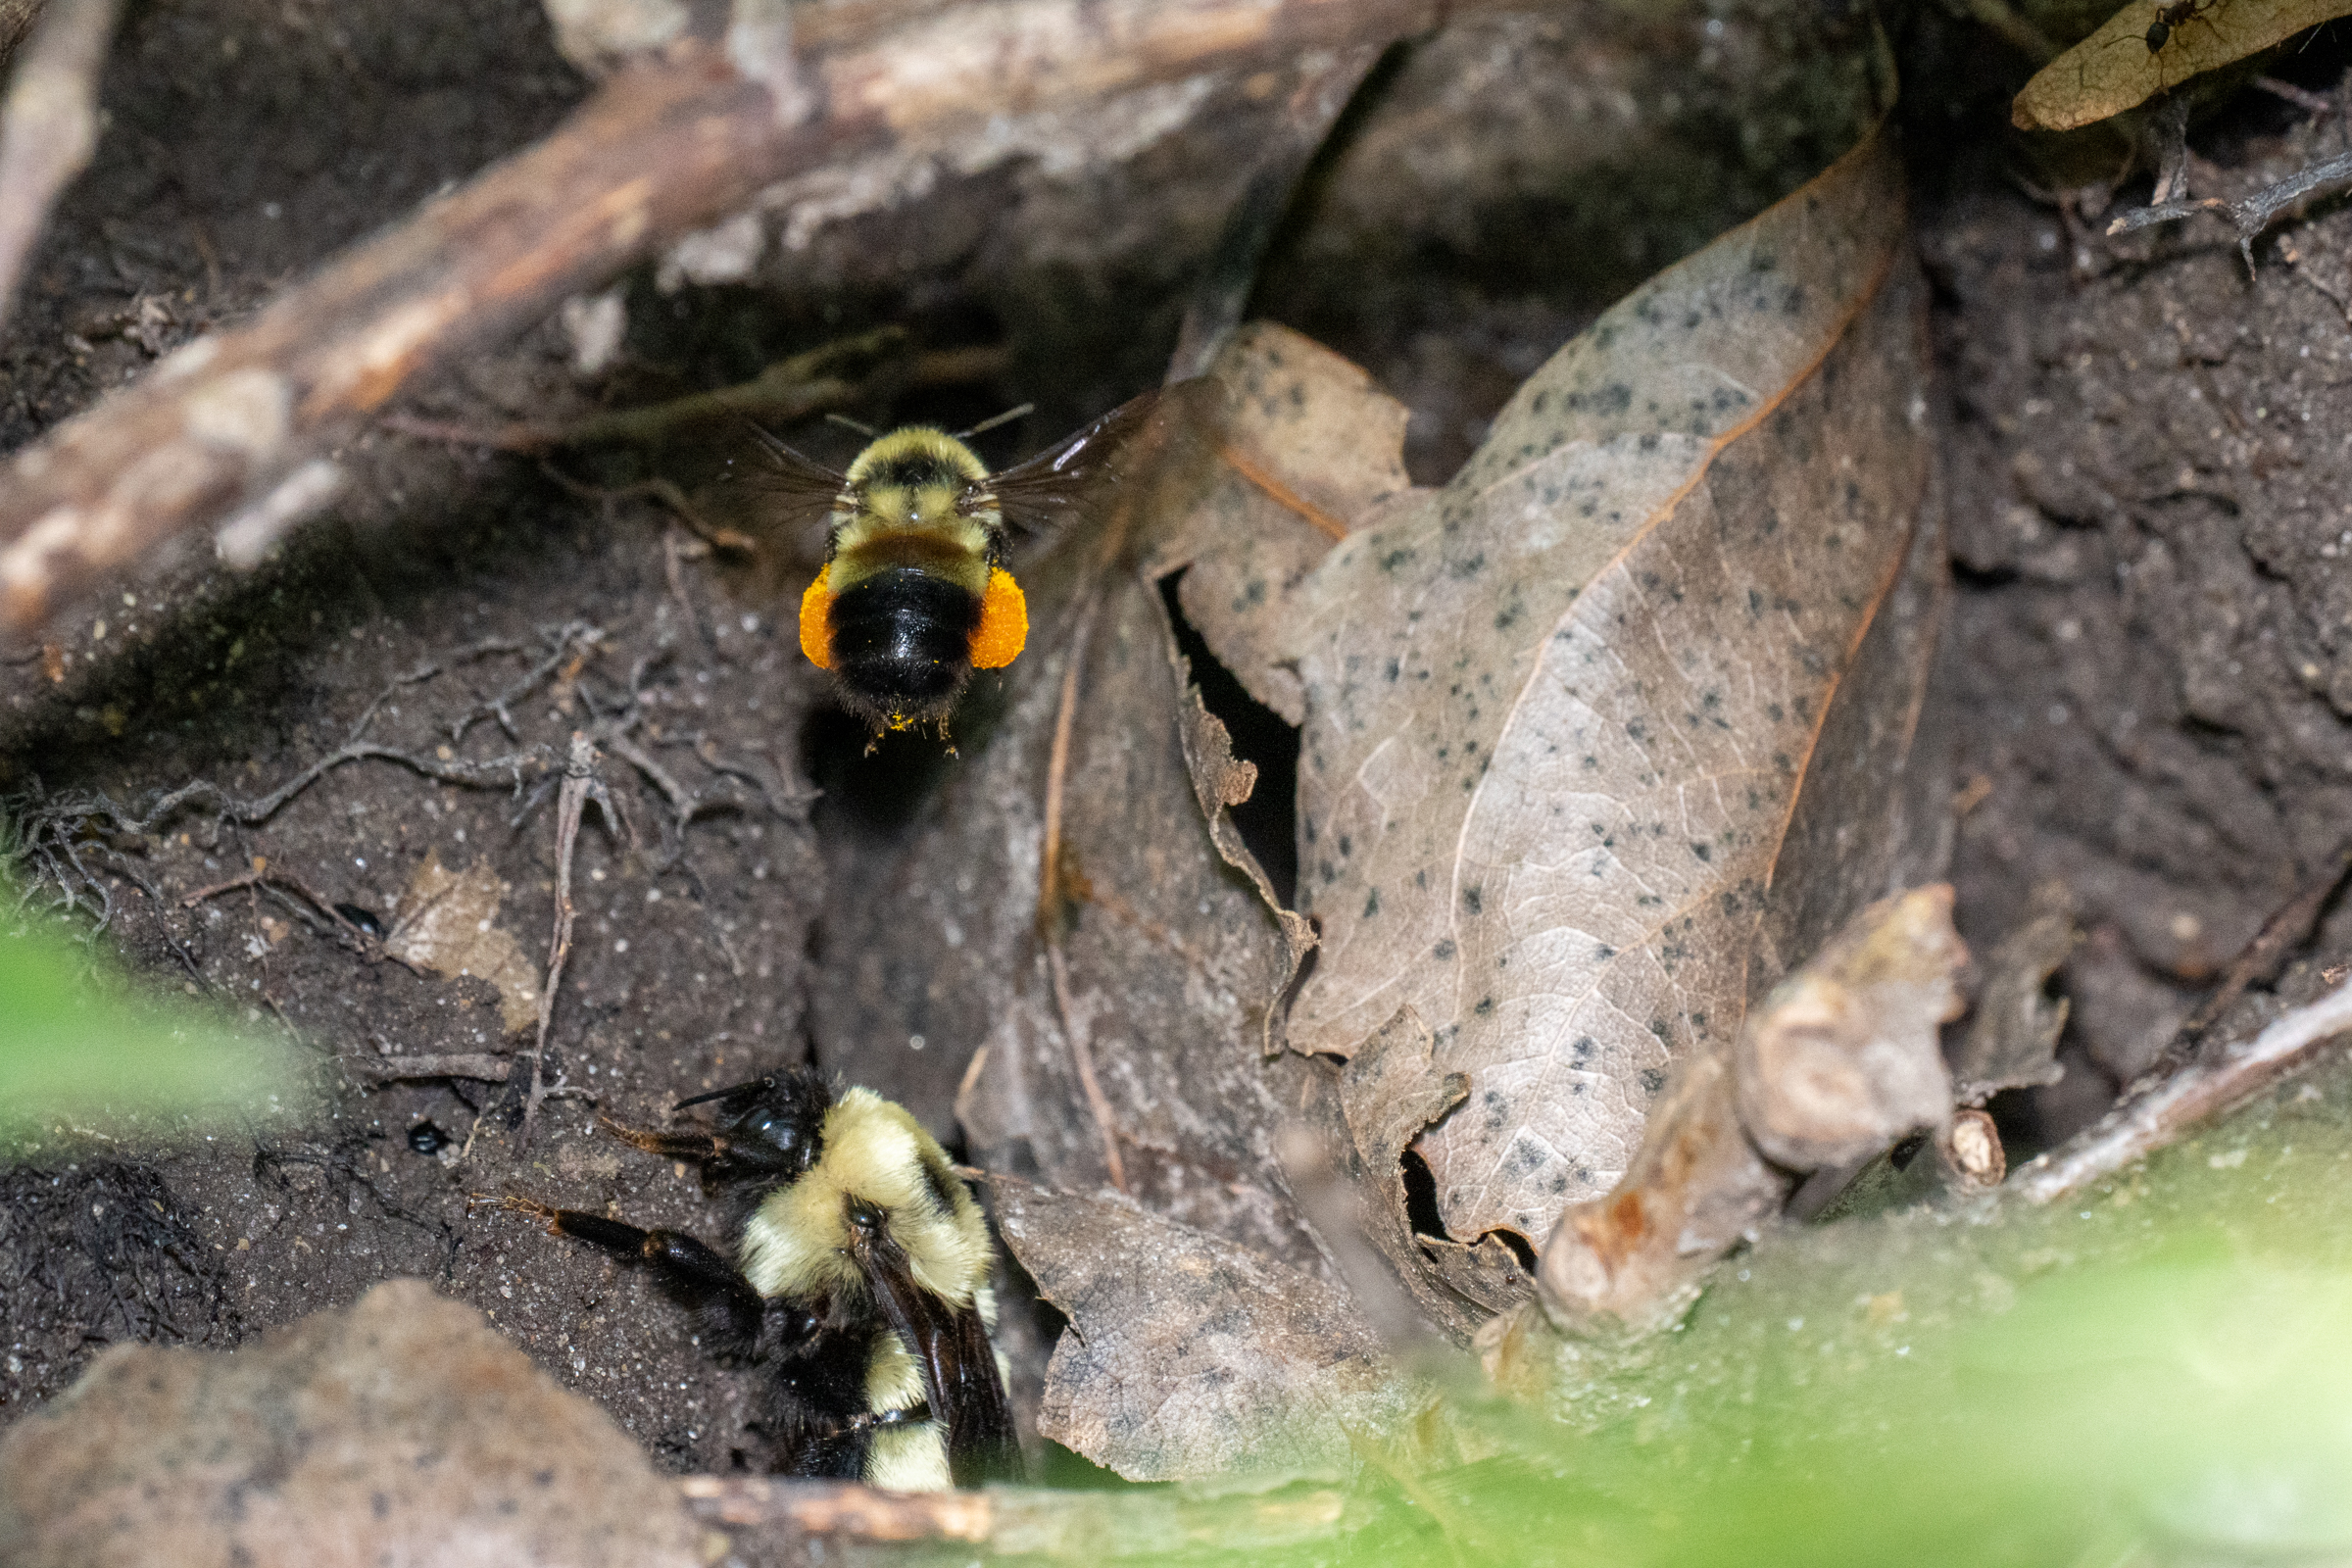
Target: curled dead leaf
2153	46
1188	1356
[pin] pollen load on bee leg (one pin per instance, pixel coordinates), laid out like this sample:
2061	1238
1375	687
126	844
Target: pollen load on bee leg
901	642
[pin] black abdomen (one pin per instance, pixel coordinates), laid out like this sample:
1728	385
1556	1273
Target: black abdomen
901	642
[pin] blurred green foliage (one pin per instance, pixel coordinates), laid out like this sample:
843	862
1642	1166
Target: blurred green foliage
89	1056
2160	1372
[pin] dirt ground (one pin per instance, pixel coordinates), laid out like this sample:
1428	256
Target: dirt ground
2149	675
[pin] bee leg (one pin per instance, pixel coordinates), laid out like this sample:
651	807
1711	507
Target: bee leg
725	1308
698	1146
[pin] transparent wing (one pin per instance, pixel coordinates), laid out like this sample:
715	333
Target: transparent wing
1039	495
793	490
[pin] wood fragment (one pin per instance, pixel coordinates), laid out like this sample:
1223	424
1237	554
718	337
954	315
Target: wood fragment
49	125
2252	214
765	1517
2145	1122
2285	929
479	1066
662	150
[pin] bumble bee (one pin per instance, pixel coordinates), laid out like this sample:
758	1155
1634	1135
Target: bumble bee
914	594
860	1284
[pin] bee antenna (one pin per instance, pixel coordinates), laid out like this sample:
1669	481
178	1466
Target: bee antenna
859	425
1007	417
768	440
721	1094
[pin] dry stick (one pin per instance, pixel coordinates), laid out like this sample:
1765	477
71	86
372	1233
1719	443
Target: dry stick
2285	929
1050	896
2139	1127
49	126
661	149
2251	216
580	785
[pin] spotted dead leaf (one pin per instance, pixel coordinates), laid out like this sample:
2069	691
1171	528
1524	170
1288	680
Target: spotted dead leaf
1619	724
1187	1356
447	922
2153	46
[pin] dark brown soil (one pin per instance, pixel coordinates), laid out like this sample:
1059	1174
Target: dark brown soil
2150	672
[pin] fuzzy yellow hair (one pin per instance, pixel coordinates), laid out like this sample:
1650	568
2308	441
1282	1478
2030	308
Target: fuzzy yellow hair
796	1241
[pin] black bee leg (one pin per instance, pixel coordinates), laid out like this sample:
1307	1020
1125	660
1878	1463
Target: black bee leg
725	1308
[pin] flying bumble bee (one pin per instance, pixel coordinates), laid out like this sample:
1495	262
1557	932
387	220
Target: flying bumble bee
860	1284
914	594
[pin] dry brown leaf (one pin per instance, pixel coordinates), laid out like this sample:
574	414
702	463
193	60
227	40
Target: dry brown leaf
400	1429
1632	702
448	922
1305	448
2114	69
1187	1356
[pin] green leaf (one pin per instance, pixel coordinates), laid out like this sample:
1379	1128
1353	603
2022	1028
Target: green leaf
87	1053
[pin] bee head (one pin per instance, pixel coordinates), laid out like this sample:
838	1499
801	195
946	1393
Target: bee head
782	1114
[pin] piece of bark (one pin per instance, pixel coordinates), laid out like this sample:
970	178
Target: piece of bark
1188	1356
2012	1040
1843	1057
1632	1262
402	1429
2162	1111
776	1520
49	124
666	146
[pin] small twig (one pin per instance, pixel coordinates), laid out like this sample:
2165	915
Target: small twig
662	490
49	125
2251	214
260	877
1082	1055
831	375
563	661
2311	103
2149	1121
2283	930
479	1066
581	786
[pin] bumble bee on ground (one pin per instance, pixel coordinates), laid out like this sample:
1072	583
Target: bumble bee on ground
860	1285
914	594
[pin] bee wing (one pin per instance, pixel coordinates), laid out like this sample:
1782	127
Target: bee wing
1038	495
959	1364
798	490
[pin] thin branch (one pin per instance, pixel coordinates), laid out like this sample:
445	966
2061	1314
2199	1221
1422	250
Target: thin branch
2149	1121
49	126
2252	214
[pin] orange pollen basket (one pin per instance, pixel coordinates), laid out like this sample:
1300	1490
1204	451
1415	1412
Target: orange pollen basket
1003	623
817	635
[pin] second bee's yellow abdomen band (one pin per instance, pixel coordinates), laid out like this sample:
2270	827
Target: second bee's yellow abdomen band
1003	623
817	631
